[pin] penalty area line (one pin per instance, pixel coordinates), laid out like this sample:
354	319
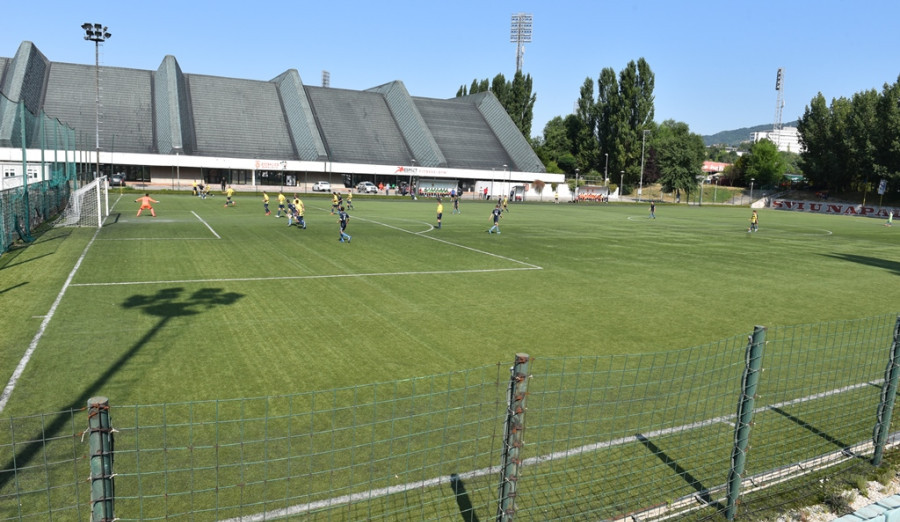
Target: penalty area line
321	276
207	225
457	245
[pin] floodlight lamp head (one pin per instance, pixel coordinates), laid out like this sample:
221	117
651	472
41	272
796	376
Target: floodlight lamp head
86	26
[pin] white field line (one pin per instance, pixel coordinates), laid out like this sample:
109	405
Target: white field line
457	245
526	266
20	368
320	276
400	488
207	225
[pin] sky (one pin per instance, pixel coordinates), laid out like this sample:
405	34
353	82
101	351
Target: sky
715	61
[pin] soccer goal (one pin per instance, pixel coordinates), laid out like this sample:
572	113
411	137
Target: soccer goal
88	206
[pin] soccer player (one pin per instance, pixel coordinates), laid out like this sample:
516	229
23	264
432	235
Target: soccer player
440	212
890	221
652	210
343	219
228	194
145	201
456	204
299	210
266	203
334	202
281	200
495	216
506	202
350	200
754	222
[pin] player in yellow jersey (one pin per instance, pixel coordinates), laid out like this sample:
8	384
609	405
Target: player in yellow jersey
440	212
229	192
266	203
281	200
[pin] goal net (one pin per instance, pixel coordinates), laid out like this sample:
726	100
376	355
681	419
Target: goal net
87	206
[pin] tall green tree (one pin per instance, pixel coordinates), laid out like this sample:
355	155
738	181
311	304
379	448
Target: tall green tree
764	165
515	96
679	155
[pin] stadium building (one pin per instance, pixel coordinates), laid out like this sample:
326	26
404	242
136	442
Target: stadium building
167	127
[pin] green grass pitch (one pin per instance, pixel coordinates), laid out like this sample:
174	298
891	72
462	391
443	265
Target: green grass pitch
206	302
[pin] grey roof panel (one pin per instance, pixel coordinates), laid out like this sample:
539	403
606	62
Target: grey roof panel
126	106
238	118
358	127
462	133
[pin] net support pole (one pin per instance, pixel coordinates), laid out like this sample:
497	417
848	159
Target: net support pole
101	455
102	180
888	395
513	429
26	226
749	381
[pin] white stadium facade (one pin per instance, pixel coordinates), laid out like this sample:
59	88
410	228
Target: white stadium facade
167	127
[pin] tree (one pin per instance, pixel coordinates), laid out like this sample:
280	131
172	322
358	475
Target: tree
539	187
764	165
679	156
515	96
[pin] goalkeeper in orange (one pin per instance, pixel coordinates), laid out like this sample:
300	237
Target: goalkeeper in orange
145	201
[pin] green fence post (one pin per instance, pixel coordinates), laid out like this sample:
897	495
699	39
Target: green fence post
101	448
512	437
746	403
888	394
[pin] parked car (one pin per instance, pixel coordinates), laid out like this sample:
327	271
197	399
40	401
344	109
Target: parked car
117	180
321	186
367	186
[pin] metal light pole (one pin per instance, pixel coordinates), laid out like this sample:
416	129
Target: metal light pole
622	185
508	178
96	33
751	190
641	185
575	192
606	170
716	190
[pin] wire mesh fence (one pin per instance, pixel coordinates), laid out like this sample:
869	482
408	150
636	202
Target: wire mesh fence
628	437
35	185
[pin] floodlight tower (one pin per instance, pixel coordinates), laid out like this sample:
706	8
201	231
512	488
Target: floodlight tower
779	107
326	79
96	33
520	34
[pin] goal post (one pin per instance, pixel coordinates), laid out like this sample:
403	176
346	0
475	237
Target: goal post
88	206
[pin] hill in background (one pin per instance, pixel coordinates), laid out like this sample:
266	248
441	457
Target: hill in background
735	137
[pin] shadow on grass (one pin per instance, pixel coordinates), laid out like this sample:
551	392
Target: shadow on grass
702	491
466	510
13	287
876	262
167	304
815	431
6	261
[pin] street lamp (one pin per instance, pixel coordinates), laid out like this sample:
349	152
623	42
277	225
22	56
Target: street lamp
409	187
606	170
575	192
751	190
96	33
622	185
643	143
508	178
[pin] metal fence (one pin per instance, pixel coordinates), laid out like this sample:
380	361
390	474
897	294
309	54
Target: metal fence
729	430
35	182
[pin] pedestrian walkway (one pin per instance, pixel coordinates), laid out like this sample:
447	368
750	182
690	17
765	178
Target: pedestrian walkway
885	510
